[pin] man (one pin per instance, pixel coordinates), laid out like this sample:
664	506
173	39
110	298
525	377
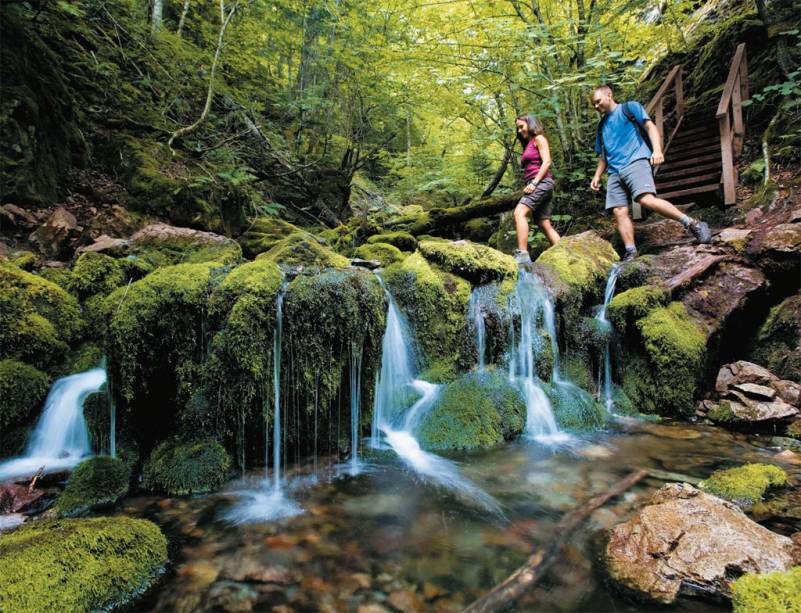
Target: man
627	156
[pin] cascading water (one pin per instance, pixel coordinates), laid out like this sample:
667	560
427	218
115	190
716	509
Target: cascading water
476	316
269	503
606	377
61	438
531	301
356	355
394	424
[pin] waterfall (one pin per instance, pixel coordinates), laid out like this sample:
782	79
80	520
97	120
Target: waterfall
401	403
609	292
356	355
476	316
279	324
60	439
532	302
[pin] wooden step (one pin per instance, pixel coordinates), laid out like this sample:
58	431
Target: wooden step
674	157
687	131
682	140
713	177
674	164
685	172
692	191
693	148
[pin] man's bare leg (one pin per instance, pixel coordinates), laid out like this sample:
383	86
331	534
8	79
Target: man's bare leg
661	206
551	234
624	225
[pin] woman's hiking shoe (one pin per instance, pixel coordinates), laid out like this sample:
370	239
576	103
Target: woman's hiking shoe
700	230
521	257
630	255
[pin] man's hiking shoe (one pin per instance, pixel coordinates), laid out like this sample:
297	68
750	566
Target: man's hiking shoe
630	255
700	230
521	257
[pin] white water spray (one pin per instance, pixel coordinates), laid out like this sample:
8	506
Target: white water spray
60	439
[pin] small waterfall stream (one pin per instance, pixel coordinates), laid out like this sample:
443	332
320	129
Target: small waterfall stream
606	378
60	439
356	356
476	316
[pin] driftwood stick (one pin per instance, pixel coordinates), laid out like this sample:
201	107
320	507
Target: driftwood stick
36	477
525	577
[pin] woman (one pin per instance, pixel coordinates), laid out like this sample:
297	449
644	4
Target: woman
538	192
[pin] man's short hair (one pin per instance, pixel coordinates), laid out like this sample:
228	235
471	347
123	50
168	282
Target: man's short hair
603	88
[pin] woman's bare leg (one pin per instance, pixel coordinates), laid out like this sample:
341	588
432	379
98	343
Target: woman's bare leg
521	226
551	234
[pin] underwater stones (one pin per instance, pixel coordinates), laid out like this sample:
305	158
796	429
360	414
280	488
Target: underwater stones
776	592
434	303
79	564
54	236
38	319
22	390
384	253
686	541
476	263
264	233
302	249
778	343
744	485
179	468
402	240
96	482
479	409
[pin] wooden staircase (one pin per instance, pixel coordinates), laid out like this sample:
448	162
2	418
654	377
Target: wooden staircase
701	146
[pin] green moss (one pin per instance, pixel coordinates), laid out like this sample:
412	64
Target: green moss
778	343
85	357
578	263
79	564
480	409
95	273
575	367
22	392
794	429
264	234
402	240
631	305
149	254
435	305
261	279
303	249
675	348
178	468
574	409
476	263
26	260
776	592
641	271
37	318
383	252
96	482
745	484
59	276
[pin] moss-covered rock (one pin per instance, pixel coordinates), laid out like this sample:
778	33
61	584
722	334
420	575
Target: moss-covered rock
179	468
95	483
382	252
79	564
778	344
574	409
633	304
264	234
23	389
746	484
165	245
85	357
402	240
435	305
26	260
480	409
776	592
95	273
38	319
478	264
303	249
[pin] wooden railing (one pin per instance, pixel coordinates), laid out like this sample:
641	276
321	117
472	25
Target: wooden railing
665	115
730	121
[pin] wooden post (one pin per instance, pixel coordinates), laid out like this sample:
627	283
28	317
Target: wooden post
727	160
744	76
660	117
737	113
679	94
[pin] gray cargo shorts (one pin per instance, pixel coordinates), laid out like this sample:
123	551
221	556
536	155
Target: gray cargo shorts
540	201
633	180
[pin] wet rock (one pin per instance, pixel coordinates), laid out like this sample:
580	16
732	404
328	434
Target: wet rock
372	608
686	541
751	412
752	390
742	372
778	343
245	568
13	216
53	237
406	601
105	244
736	238
200	574
231	596
788	457
789	391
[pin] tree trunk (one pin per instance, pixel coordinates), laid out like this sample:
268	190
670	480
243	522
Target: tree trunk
496	180
155	17
182	21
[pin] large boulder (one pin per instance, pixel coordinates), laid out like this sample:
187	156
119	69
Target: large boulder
22	391
304	250
264	233
472	261
54	236
686	541
180	468
79	564
778	343
95	483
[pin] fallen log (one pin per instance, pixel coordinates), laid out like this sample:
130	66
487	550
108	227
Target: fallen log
527	576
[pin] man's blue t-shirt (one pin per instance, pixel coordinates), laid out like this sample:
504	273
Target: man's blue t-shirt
622	139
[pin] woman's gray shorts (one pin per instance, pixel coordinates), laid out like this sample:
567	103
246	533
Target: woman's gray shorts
630	183
540	201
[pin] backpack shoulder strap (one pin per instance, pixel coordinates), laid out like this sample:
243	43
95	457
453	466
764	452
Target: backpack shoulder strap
640	127
599	135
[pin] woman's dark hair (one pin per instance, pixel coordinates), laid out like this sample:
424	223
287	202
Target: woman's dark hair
534	127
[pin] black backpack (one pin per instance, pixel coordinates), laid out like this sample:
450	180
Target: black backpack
630	116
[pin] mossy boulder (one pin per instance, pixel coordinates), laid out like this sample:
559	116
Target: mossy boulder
84	357
26	260
95	483
382	252
23	389
479	409
778	343
776	592
164	245
264	234
38	319
574	409
477	263
180	468
661	372
402	240
95	273
79	564
634	304
434	303
744	485
304	249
